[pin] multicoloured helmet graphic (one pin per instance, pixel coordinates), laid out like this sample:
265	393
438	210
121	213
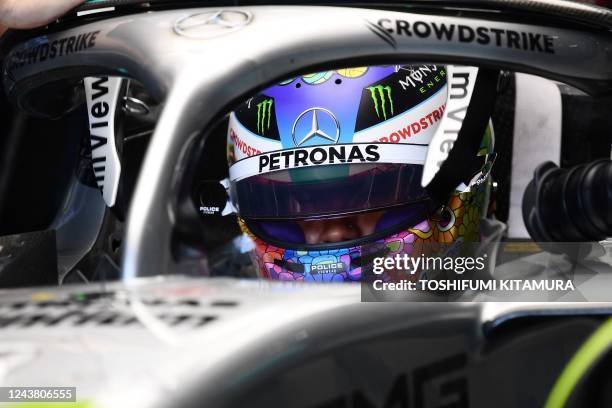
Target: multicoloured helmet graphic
326	171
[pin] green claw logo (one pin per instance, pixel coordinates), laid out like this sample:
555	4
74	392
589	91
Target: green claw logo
264	113
380	95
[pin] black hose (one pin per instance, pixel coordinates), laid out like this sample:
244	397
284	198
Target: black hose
570	205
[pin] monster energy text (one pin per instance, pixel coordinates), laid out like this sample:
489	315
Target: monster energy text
264	113
424	77
381	96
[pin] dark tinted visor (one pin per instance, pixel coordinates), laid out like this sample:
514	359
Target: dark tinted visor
328	191
355	229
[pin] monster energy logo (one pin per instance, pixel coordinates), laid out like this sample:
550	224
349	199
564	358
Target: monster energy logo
381	93
264	113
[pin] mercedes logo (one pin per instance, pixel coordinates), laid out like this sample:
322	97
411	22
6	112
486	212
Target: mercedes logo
212	23
315	129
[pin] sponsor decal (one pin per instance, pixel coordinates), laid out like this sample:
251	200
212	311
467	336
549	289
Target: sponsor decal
326	264
408	89
326	155
209	210
212	24
241	145
264	113
423	78
80	318
243	142
458	90
91	309
315	130
101	95
461	85
382	97
321	155
257	115
387	29
213	197
381	33
411	130
40	52
483	175
428	107
327	268
441	383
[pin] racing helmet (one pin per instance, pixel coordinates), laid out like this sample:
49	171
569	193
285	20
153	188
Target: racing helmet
325	172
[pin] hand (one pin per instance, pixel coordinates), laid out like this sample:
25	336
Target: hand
32	13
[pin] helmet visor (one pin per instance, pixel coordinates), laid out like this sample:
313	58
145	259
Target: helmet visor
328	191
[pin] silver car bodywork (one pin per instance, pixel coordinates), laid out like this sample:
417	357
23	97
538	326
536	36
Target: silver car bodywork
200	79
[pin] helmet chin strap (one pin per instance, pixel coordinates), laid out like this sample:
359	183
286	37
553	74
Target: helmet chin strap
453	170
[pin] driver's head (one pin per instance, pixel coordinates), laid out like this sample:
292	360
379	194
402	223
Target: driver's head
326	169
